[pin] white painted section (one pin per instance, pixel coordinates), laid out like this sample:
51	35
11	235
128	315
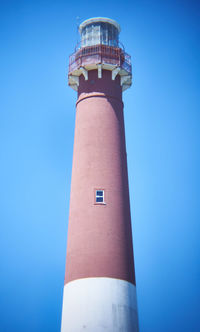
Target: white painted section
126	79
99	67
84	72
74	79
99	305
115	72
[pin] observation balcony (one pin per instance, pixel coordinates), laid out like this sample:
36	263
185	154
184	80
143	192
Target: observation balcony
100	57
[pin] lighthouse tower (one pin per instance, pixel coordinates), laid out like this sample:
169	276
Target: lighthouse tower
99	291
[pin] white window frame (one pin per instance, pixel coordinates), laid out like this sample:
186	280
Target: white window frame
99	196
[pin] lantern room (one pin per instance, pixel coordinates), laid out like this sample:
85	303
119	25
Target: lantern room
99	50
99	30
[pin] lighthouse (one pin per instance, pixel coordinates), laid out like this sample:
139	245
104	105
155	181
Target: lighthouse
99	288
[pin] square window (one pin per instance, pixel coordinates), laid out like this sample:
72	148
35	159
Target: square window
99	196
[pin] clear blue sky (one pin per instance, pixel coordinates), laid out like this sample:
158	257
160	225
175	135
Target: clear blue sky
37	115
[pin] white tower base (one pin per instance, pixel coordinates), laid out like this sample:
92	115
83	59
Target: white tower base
99	305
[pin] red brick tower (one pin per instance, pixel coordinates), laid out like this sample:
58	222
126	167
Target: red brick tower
99	291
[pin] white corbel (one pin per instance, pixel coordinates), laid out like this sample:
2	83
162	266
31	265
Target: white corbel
115	72
125	79
74	79
99	67
84	72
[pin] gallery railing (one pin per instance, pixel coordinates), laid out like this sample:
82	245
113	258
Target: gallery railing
100	54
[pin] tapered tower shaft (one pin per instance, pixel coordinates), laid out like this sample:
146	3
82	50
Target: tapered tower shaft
99	292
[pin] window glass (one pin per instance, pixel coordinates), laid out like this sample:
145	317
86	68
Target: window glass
99	196
99	33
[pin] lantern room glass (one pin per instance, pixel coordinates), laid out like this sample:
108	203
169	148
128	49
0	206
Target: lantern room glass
99	33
